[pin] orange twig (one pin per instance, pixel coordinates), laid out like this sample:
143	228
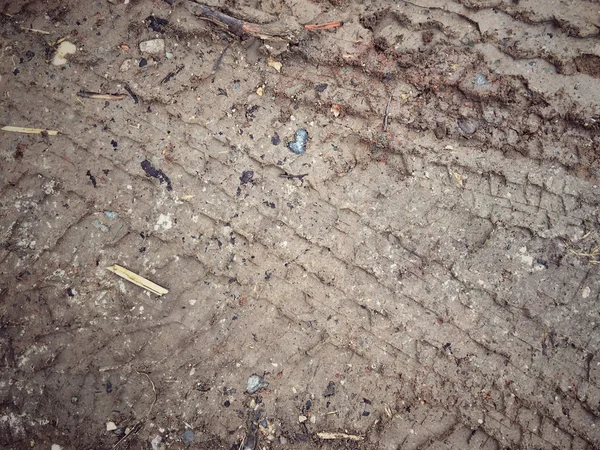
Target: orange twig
323	26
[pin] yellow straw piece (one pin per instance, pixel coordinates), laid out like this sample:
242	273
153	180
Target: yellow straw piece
352	437
29	130
136	279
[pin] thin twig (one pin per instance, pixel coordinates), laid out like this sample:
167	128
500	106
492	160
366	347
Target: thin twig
153	390
387	114
133	431
289	176
172	74
130	92
98	96
34	30
323	26
219	59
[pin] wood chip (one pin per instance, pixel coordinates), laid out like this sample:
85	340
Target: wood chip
30	130
351	437
272	62
136	279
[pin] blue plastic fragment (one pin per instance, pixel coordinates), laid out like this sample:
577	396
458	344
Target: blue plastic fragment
298	146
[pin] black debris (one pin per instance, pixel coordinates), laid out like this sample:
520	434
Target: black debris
143	62
16	71
269	204
330	391
221	91
171	74
130	92
321	87
151	171
29	55
114	144
70	292
227	404
156	23
275	140
367	401
290	176
92	178
250	112
366	413
247	176
108	387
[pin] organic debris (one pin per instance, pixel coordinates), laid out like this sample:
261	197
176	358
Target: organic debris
41	131
98	96
352	437
60	57
151	171
138	280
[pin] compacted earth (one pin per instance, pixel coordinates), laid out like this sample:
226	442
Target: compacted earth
378	234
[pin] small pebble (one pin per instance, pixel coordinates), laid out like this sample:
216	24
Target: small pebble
302	419
110	426
188	437
298	146
468	126
275	139
153	46
256	383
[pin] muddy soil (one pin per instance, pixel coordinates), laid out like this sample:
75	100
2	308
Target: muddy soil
423	273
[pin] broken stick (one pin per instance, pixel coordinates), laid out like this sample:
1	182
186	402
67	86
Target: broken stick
138	280
351	437
387	114
97	96
284	30
30	130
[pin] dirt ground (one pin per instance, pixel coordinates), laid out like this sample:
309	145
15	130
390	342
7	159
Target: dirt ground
424	276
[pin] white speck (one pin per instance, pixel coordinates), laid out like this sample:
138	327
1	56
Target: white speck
480	421
192	302
193	371
55	447
586	292
302	419
164	222
110	426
